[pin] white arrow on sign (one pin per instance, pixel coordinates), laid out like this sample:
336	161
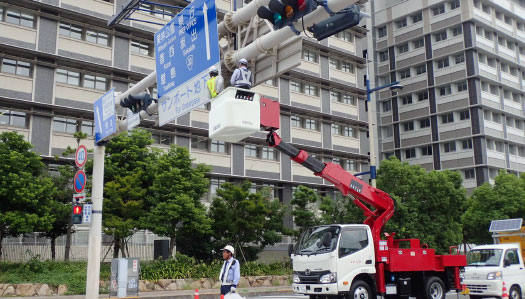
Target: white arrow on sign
206	30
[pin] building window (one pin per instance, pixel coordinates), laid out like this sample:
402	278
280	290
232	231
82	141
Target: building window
295	86
345	35
383	56
349	99
459	58
410	153
426	150
462	86
141	48
442	63
64	125
336	129
310	89
347	67
97	37
387	132
440	36
350	165
87	127
457	31
463	115
381	31
408	126
251	151
199	143
12	118
16	67
466	144
438	10
161	138
349	132
418	43
421	69
417	17
445	90
404	74
422	96
95	82
401	23
387	106
310	56
296	121
311	124
77	32
218	147
402	48
454	4
18	17
269	153
447	118
406	100
469	174
424	123
68	77
335	96
449	147
70	30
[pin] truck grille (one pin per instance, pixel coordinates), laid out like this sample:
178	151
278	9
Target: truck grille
312	278
477	288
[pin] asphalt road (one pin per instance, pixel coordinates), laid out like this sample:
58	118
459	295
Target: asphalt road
449	296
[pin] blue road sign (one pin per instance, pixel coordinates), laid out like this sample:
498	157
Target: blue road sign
184	49
79	181
105	124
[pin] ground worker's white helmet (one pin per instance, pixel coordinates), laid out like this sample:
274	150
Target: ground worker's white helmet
229	248
213	69
243	61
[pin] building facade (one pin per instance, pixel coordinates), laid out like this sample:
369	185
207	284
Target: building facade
59	56
462	63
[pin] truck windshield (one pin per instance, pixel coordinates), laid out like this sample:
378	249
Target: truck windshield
484	257
317	240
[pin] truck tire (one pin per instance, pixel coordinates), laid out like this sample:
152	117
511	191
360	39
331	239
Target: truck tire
514	293
360	290
475	296
434	288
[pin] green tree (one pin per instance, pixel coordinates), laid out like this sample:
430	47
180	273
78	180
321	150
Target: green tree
340	209
428	205
240	218
303	213
128	175
504	200
175	196
25	194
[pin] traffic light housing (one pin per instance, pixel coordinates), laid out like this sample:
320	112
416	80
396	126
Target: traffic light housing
284	12
77	213
345	19
136	102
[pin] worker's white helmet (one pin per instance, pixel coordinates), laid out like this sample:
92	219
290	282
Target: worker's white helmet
243	61
213	69
229	248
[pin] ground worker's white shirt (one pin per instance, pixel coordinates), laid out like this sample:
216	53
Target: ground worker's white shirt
233	274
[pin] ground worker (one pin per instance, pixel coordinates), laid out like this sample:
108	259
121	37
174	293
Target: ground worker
242	76
230	272
215	83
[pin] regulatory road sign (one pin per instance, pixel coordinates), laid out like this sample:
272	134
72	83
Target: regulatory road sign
105	124
79	183
81	156
87	213
79	198
184	49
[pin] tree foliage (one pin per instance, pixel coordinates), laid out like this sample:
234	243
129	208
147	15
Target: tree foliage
428	205
242	218
504	200
303	211
25	194
174	200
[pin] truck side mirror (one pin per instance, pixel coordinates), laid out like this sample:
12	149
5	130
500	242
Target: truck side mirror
290	249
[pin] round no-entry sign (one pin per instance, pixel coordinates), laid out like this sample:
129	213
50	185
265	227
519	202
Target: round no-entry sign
79	182
81	156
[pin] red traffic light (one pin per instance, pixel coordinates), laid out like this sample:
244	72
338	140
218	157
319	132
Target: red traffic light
77	210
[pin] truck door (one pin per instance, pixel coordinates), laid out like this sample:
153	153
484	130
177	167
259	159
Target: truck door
355	255
513	267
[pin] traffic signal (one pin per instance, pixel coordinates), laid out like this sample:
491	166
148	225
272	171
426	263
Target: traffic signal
284	12
77	213
136	102
344	19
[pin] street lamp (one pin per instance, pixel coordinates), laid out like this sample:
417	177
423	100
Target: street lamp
394	86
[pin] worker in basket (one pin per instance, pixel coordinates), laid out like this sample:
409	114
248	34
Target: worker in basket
215	83
242	76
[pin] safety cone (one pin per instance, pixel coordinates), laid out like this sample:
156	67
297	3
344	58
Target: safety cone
504	293
196	294
222	296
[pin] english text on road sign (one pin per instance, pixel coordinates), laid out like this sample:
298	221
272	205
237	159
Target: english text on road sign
79	182
79	198
105	124
185	48
81	156
87	213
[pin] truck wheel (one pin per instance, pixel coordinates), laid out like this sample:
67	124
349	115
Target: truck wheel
475	296
434	288
360	290
514	293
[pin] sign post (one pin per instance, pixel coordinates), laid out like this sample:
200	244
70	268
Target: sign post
184	49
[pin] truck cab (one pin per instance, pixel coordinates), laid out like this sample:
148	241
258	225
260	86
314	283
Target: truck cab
329	260
494	271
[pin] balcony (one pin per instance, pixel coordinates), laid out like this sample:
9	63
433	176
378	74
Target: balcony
485	16
98	6
515	106
301	98
140	15
308	135
77	93
212	159
344	108
491	100
141	62
262	165
347	142
21	131
486	70
510	78
299	170
81	47
312	67
504	26
267	90
341	44
485	42
18	33
223	4
495	155
16	83
508	52
199	115
342	76
503	3
515	132
493	129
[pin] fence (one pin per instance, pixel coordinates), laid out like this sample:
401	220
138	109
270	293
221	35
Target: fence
24	252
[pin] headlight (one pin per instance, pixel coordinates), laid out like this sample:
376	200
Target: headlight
328	278
296	278
494	275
